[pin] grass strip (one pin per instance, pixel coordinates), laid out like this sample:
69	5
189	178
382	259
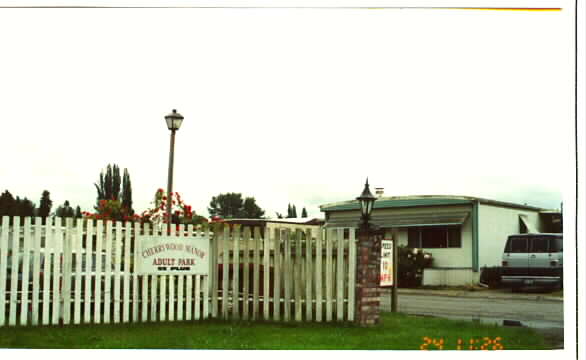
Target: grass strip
396	332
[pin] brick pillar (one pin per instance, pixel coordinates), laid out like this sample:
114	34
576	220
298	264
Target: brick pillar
368	277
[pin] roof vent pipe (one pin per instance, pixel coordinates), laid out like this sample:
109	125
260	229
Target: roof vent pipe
379	191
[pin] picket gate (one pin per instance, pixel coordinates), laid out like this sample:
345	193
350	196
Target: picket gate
74	271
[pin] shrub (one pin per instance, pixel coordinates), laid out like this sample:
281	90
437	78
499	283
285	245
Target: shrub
491	276
411	264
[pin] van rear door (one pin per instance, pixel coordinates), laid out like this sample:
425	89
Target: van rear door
516	256
540	256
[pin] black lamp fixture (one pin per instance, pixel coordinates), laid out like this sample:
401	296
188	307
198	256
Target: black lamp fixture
174	120
366	200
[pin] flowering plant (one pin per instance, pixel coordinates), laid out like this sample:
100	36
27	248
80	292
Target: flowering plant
111	210
181	213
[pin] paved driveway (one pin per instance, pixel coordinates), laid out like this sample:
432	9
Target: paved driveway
541	311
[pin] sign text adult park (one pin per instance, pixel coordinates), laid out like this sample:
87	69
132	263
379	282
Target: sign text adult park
170	255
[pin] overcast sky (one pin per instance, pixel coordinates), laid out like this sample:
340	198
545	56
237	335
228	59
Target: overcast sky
288	106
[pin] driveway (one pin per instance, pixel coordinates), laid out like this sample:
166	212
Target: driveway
538	310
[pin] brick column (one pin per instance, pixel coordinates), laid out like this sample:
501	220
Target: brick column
368	277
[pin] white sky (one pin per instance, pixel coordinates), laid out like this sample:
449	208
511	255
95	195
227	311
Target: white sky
289	106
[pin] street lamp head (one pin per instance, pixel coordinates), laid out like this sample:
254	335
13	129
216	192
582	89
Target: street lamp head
174	120
366	200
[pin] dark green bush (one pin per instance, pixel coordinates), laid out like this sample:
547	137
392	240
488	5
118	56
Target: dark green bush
491	276
411	265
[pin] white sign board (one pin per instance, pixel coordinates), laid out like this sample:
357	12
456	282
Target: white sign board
170	255
386	263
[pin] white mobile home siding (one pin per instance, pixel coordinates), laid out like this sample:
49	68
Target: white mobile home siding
494	225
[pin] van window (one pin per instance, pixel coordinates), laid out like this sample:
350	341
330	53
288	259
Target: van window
518	245
540	245
556	244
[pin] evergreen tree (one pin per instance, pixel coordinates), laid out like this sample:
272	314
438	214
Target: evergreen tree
109	187
64	211
293	212
231	205
7	204
77	212
304	213
289	211
45	205
127	193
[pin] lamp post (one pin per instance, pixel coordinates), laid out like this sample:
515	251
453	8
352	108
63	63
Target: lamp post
174	121
367	292
366	200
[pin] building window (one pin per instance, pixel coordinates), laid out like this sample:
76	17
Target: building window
434	237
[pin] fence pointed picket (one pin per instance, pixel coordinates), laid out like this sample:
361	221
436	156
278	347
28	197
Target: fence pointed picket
197	287
266	273
287	275
171	279
206	283
87	313
66	278
351	274
4	236
117	249
99	273
277	274
340	274
297	274
134	285
308	272
236	273
14	270
256	275
108	271
48	251
329	275
24	302
154	285
126	274
77	245
214	261
225	240
145	285
57	271
189	286
246	273
180	283
318	275
35	311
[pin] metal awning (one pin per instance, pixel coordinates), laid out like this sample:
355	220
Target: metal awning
528	226
404	220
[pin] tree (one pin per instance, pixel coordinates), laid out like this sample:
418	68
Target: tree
112	187
231	205
109	187
64	211
45	205
289	211
24	207
250	210
77	212
304	213
127	192
7	204
293	211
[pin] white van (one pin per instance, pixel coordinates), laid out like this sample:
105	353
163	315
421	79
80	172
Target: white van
533	260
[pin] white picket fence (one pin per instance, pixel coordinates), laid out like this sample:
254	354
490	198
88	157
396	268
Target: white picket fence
66	273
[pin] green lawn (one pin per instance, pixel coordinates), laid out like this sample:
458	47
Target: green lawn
397	332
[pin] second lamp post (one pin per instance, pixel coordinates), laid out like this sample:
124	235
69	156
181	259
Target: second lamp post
174	121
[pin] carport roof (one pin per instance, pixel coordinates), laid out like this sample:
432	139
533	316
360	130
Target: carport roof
422	200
